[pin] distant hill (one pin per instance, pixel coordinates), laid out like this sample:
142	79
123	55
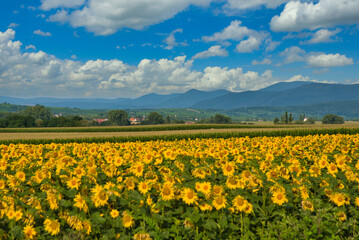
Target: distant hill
302	95
191	97
279	94
282	86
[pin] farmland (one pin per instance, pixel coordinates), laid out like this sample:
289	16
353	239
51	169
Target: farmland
185	182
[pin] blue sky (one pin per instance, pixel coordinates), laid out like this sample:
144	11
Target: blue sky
117	48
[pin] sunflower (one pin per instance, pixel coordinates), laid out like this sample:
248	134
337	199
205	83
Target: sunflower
342	216
189	196
239	203
114	213
219	202
357	201
205	207
339	199
127	220
307	205
79	172
279	197
52	226
228	169
21	176
73	183
80	203
167	192
137	169
332	168
143	187
205	188
53	200
249	208
217	190
99	196
29	232
142	236
232	182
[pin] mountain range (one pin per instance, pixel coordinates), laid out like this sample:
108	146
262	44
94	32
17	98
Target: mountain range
279	94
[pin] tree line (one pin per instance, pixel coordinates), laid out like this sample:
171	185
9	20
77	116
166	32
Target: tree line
41	116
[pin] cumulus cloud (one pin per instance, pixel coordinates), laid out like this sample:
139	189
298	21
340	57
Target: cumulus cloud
249	45
297	16
37	73
41	33
245	4
233	32
51	4
213	51
250	39
323	35
293	54
105	17
313	59
30	47
171	40
329	60
265	61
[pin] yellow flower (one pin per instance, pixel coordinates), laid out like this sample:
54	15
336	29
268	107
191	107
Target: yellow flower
52	226
99	196
205	187
127	220
342	216
229	169
21	176
143	187
29	232
219	202
332	168
137	169
339	199
80	203
142	236
279	197
189	196
73	183
357	201
239	203
217	190
114	213
167	192
307	205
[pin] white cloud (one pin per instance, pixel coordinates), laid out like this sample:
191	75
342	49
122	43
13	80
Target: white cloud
313	59
298	16
52	4
249	45
60	16
30	47
329	60
323	35
297	78
41	33
246	4
105	17
293	54
233	32
271	45
265	61
13	25
40	74
213	51
171	40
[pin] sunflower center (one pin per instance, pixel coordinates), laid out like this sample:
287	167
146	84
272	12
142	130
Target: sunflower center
190	195
279	196
219	201
166	191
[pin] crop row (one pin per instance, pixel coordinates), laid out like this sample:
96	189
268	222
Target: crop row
172	137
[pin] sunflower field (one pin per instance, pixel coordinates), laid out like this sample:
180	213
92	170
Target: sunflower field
292	187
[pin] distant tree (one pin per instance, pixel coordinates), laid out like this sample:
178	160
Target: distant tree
332	119
154	118
19	121
39	122
290	118
168	119
221	119
118	117
38	112
276	120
